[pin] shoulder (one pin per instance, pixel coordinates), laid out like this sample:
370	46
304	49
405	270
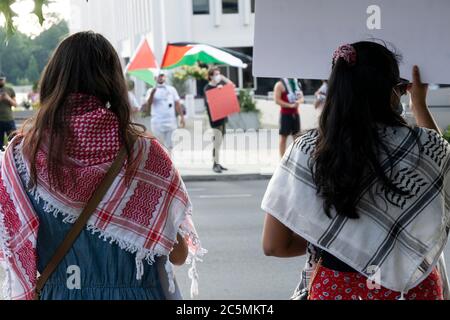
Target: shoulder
157	159
433	141
148	93
429	144
301	151
10	90
306	143
426	133
279	86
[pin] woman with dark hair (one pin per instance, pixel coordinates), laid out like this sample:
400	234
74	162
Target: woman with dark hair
366	195
52	170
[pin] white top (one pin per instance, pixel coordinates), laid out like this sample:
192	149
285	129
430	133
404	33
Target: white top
398	239
163	111
133	101
323	90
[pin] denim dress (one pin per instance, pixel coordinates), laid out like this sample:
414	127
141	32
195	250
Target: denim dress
93	269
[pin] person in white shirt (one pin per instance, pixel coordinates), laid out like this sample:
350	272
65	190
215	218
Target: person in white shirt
135	107
321	96
165	106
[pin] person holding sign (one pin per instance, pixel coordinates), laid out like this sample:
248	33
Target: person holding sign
321	96
289	96
368	192
7	101
165	104
216	80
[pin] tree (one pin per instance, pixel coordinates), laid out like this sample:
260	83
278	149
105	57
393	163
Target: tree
23	59
8	13
32	72
47	41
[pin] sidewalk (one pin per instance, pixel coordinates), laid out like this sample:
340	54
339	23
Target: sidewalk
247	155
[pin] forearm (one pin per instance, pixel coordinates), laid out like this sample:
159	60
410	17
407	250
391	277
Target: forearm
180	252
423	116
279	241
226	80
179	110
283	104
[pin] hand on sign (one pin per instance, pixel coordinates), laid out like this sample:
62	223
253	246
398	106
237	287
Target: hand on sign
418	90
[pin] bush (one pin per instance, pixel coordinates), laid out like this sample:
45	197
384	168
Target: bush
195	71
248	104
179	84
447	134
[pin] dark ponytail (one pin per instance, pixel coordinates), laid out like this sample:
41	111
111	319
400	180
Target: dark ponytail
359	99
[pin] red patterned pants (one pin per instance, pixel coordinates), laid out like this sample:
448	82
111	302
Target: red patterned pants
333	285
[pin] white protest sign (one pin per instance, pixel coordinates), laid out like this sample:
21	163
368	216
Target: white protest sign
297	38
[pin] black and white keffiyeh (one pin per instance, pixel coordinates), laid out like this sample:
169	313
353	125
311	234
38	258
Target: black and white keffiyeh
398	238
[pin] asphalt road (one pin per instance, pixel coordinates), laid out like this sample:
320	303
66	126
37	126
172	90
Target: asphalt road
229	221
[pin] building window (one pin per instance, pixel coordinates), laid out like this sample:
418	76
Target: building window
230	6
200	6
253	5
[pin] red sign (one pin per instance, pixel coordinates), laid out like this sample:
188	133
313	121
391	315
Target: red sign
222	102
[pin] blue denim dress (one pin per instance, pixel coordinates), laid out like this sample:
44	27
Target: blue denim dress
93	269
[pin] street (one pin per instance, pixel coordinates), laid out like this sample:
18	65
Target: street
229	221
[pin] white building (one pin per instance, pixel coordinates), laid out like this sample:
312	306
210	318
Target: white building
223	23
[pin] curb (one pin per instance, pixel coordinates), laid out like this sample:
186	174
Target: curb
226	177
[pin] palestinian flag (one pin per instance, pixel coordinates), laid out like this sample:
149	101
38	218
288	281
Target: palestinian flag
177	55
143	65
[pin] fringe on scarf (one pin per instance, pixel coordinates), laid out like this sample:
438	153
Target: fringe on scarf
70	216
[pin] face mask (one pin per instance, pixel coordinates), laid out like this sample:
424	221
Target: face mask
398	109
217	78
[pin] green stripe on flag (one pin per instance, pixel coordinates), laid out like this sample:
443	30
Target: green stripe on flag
145	75
192	59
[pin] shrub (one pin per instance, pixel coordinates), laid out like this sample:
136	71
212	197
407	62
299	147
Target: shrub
248	104
447	134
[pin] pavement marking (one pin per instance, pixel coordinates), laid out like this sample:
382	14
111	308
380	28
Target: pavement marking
222	196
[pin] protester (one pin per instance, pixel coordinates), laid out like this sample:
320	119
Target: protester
369	193
216	80
165	105
289	96
7	101
135	106
33	96
321	96
51	170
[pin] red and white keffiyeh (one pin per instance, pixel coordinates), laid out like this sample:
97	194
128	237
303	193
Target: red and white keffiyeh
143	218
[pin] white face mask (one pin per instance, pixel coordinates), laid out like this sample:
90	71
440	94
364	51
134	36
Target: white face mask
217	78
